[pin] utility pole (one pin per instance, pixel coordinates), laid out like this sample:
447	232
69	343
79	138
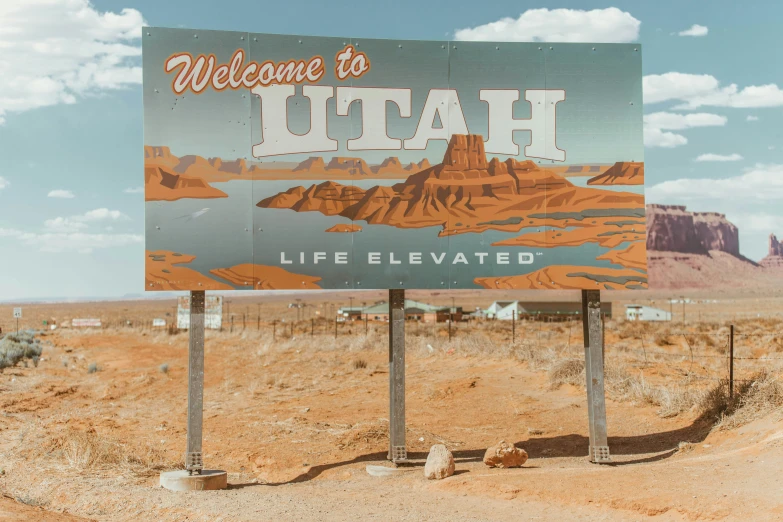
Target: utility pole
350	313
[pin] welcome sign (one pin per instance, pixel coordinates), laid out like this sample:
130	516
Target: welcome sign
296	162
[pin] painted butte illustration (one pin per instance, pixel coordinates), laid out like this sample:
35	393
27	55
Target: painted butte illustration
392	164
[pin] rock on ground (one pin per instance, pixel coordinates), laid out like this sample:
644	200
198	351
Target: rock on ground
505	455
440	463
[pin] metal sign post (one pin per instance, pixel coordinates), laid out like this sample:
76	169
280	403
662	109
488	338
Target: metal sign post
594	373
193	458
397	450
17	316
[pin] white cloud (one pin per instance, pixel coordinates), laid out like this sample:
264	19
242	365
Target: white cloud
695	30
62	194
80	222
752	118
719	157
71	241
102	214
668	140
699	90
760	182
609	25
759	222
657	123
61	224
58	51
134	190
4	183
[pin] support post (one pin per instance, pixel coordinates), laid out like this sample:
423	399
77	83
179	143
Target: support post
193	459
731	361
397	449
594	373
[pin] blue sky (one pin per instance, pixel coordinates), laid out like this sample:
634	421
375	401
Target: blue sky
72	220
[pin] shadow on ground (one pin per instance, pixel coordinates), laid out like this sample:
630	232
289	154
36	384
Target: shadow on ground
662	444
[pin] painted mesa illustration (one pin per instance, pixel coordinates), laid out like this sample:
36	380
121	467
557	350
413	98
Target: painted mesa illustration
291	163
463	194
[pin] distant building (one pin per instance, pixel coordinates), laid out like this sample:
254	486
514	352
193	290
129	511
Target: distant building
414	311
540	310
634	312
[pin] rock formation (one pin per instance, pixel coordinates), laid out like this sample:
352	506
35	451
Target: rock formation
774	257
160	184
621	173
312	164
505	455
671	228
464	193
440	463
390	165
355	166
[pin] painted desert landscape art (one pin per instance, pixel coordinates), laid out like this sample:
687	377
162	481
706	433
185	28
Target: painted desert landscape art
513	207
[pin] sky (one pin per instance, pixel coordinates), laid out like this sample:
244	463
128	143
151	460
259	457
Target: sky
71	204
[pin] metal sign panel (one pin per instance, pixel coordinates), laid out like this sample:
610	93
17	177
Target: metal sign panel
17	313
86	323
159	323
297	162
213	312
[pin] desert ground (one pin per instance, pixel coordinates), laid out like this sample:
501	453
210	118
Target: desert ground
296	415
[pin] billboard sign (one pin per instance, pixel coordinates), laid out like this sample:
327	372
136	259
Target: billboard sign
17	313
213	312
297	162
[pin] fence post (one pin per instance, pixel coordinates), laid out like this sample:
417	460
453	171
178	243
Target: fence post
335	327
312	327
513	326
365	325
274	329
731	361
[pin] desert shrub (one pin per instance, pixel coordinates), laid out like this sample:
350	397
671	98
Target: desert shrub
663	340
753	398
92	368
567	371
359	364
19	347
164	368
89	451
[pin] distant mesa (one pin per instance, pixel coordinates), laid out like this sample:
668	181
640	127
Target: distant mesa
264	277
695	250
672	228
416	167
464	193
774	257
357	167
161	184
621	173
315	163
345	228
354	166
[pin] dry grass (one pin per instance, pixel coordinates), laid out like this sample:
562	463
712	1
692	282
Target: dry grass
753	399
90	452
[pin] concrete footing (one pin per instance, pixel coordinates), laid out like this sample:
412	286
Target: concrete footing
209	479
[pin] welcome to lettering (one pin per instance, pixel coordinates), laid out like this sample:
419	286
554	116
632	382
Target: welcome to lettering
274	83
